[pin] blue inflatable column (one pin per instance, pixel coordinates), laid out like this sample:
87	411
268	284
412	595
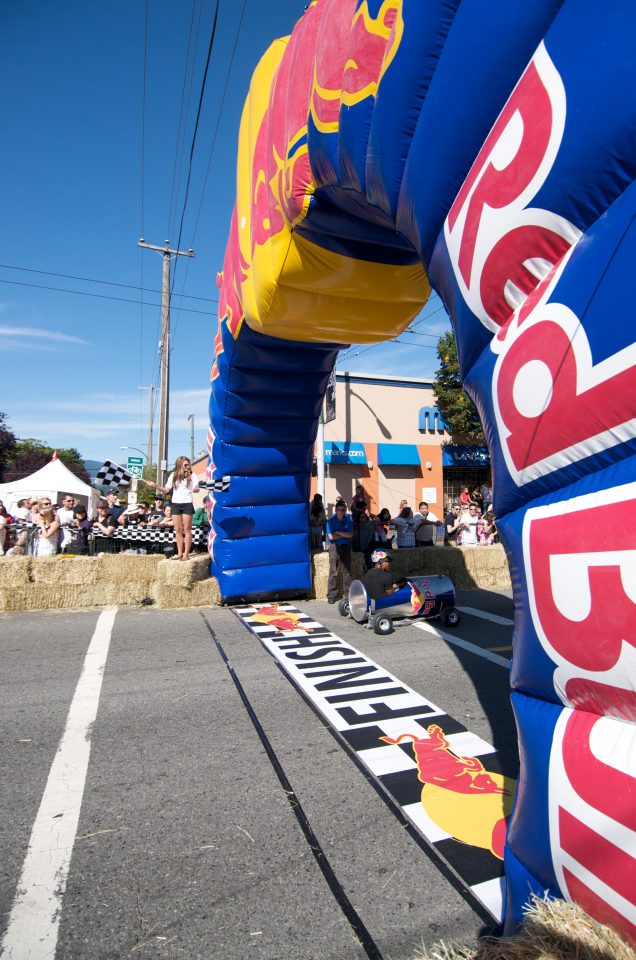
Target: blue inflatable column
264	412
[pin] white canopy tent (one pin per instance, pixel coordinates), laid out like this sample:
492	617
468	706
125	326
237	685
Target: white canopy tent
51	480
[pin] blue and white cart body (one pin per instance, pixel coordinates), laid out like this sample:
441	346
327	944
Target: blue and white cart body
422	598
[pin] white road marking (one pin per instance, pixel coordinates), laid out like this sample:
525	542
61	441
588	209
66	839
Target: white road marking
35	916
493	617
464	644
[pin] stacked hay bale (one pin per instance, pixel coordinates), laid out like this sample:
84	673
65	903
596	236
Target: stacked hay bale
469	569
15	579
111	580
50	583
186	584
479	567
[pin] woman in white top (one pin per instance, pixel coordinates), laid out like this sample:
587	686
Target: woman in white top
182	484
47	539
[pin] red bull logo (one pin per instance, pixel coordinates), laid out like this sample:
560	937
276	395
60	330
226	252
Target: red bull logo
281	175
422	601
464	799
228	283
547	391
274	616
366	51
502	247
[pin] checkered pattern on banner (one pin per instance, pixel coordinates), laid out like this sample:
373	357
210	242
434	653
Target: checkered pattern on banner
112	475
447	781
222	485
151	534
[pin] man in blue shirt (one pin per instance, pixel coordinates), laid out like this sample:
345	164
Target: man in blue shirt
339	536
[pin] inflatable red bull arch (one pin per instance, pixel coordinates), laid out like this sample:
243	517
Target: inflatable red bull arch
487	151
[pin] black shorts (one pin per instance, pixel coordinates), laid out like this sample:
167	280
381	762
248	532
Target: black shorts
179	509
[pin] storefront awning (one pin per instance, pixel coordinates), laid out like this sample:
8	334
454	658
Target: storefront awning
455	456
404	454
343	451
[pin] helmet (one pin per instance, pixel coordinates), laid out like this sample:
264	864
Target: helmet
378	555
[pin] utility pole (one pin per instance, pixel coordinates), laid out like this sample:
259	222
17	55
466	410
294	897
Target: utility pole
152	389
191	422
164	386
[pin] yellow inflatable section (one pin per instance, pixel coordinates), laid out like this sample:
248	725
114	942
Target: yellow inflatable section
290	287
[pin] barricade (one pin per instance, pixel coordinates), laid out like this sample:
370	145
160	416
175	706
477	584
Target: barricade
143	539
147	539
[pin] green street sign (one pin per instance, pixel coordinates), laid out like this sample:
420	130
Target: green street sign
135	466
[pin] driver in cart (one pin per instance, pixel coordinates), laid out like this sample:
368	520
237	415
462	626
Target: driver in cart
378	581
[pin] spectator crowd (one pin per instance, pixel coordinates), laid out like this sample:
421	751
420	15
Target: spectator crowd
469	522
44	529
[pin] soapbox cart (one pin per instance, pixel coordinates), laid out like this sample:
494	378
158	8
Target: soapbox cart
420	598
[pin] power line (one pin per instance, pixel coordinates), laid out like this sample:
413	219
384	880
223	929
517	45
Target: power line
100	296
194	134
423	346
349	354
107	283
180	123
143	156
218	119
143	117
212	148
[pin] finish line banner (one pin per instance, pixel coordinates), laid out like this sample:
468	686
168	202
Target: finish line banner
447	781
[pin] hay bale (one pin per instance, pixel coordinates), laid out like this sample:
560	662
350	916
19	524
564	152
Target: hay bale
480	567
319	574
551	930
46	596
63	571
110	568
121	567
202	593
184	573
15	571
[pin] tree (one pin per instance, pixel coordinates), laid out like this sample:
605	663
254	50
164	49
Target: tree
30	455
7	444
456	407
144	492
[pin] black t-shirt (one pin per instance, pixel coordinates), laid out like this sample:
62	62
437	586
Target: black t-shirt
450	521
377	582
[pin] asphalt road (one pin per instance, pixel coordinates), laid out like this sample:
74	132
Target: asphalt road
186	843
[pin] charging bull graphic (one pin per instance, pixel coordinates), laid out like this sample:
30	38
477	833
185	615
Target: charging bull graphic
388	147
459	794
271	615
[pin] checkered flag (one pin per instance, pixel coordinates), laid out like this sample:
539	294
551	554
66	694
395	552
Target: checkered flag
111	475
216	486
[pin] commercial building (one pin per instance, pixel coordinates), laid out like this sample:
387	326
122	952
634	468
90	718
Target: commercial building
389	436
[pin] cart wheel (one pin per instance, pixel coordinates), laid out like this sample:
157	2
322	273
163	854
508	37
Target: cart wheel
382	624
343	607
450	616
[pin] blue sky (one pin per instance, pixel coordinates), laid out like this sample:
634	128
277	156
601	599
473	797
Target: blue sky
73	77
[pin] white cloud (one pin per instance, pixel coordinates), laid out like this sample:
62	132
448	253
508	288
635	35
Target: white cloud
36	334
182	404
99	423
